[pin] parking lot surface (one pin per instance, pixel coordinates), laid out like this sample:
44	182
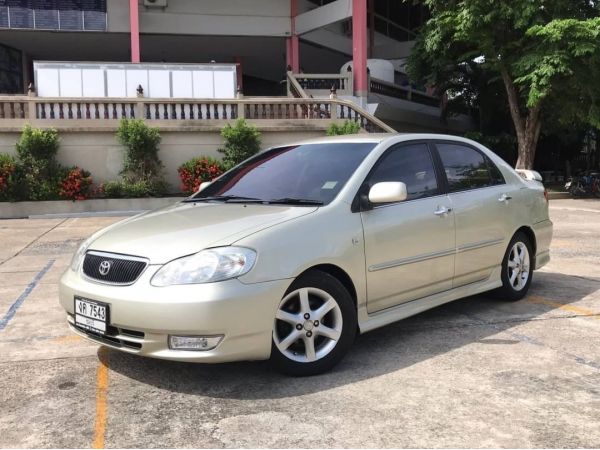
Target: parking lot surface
474	373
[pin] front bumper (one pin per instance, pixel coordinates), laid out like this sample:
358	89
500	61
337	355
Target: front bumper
142	316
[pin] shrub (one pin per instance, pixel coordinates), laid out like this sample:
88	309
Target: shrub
131	189
348	127
141	149
140	188
76	185
8	166
241	142
36	144
198	170
112	189
37	181
142	169
38	175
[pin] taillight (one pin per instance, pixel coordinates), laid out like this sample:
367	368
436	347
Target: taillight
546	195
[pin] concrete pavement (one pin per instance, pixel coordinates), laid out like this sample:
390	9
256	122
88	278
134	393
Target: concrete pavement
475	373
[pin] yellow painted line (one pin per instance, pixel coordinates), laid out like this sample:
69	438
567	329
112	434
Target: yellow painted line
66	339
101	394
565	307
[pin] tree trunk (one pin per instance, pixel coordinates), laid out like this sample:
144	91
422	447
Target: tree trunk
526	128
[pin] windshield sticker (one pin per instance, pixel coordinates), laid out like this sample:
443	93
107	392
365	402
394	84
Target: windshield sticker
329	185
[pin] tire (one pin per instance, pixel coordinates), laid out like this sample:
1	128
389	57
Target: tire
517	288
314	327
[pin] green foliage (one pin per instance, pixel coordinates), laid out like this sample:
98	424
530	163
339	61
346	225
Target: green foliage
241	142
36	144
132	189
141	145
38	175
142	169
112	189
546	54
348	127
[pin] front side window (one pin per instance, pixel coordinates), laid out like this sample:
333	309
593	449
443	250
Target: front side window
410	164
465	167
310	172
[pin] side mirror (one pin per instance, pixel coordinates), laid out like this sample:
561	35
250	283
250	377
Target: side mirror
203	185
388	192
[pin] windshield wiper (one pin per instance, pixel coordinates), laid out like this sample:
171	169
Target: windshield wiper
224	198
296	201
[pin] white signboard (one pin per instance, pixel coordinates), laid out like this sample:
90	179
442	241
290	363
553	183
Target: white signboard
64	79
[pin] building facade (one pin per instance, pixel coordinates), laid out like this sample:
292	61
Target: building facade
265	38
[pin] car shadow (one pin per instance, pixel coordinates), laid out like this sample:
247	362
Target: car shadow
477	319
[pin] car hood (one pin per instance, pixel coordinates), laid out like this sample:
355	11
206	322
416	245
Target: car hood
185	228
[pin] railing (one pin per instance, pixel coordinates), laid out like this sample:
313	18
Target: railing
294	88
325	82
17	110
306	85
393	90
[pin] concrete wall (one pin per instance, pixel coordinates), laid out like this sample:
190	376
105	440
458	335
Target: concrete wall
225	17
100	153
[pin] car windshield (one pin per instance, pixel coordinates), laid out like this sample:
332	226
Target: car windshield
309	174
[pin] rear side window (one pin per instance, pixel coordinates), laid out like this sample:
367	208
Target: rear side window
411	164
465	167
497	177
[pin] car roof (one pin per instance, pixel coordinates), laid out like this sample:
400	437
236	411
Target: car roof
377	138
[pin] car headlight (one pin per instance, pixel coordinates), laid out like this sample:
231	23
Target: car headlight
207	266
80	253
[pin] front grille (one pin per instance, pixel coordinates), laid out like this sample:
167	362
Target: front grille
113	269
114	337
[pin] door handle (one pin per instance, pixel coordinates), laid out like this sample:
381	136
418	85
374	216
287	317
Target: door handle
442	211
504	198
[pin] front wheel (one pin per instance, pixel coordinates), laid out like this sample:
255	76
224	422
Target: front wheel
517	268
314	325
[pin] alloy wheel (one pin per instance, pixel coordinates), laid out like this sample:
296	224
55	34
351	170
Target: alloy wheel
518	266
308	325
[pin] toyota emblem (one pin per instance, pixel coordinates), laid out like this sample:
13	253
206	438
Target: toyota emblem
104	268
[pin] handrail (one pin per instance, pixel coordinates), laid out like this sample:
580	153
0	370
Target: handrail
342	83
294	88
382	87
384	126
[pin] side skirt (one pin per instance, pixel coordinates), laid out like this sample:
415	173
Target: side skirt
368	322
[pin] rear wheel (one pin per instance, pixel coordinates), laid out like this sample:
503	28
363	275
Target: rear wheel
517	268
314	326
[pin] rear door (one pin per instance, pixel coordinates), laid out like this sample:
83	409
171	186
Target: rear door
482	202
409	245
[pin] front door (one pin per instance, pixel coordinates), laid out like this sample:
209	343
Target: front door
409	245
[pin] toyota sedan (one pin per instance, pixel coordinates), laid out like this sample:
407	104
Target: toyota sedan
293	252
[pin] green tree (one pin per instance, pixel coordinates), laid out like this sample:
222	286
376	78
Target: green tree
545	52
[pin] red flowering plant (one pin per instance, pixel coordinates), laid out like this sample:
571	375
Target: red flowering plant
7	169
76	185
198	170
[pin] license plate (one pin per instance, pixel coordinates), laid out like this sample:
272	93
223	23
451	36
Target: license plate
91	315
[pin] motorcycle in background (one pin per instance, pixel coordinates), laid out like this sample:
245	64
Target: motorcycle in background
585	185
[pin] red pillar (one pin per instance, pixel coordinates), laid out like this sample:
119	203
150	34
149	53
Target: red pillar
359	47
292	44
134	26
